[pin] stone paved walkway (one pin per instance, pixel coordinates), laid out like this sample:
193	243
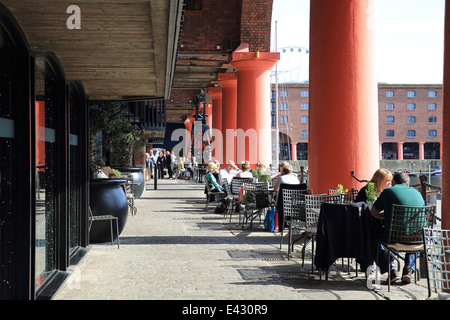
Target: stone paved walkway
175	250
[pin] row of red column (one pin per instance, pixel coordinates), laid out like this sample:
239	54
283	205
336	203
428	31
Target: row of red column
241	128
343	115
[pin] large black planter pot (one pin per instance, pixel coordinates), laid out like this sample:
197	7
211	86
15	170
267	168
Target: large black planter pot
138	180
107	197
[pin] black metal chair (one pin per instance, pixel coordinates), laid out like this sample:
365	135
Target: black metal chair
257	199
93	218
437	254
213	196
294	214
405	232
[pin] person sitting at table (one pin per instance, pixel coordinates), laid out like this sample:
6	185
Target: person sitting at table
245	173
230	171
400	193
381	179
215	187
287	177
181	169
280	172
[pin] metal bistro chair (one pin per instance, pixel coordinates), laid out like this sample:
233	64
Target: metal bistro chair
294	214
346	197
437	252
257	199
230	199
405	232
312	211
218	195
130	195
237	183
109	217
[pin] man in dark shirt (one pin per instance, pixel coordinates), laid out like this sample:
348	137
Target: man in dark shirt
400	193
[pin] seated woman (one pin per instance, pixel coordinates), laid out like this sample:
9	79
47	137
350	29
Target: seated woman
211	180
381	179
245	173
181	169
215	187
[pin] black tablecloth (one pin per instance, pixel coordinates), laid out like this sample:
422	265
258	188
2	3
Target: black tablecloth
345	230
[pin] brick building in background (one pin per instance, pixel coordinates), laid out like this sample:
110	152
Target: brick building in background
410	121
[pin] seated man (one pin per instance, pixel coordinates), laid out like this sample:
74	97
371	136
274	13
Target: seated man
228	172
400	193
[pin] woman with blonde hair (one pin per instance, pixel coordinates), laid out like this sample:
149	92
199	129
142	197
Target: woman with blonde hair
381	179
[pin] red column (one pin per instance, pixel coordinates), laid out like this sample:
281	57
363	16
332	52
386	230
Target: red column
228	82
445	155
421	150
253	96
294	151
343	94
216	128
208	112
188	124
399	150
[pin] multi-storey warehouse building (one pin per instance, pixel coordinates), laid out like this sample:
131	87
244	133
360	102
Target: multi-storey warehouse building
409	116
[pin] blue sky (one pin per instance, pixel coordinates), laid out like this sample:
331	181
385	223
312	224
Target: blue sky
409	37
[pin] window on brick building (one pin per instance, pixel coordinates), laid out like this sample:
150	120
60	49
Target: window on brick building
432	106
432	119
283	93
389	106
411	119
304	119
411	133
304	133
432	133
272	107
283	106
389	133
432	94
272	95
411	94
274	124
304	106
389	93
283	119
411	106
193	4
390	119
304	93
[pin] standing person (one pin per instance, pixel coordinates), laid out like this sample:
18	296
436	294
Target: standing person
169	164
152	161
161	162
147	167
400	193
381	179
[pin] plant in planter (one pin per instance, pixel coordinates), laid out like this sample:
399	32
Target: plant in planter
119	138
114	147
371	194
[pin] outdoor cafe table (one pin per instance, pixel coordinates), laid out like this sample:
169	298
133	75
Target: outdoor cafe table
345	231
